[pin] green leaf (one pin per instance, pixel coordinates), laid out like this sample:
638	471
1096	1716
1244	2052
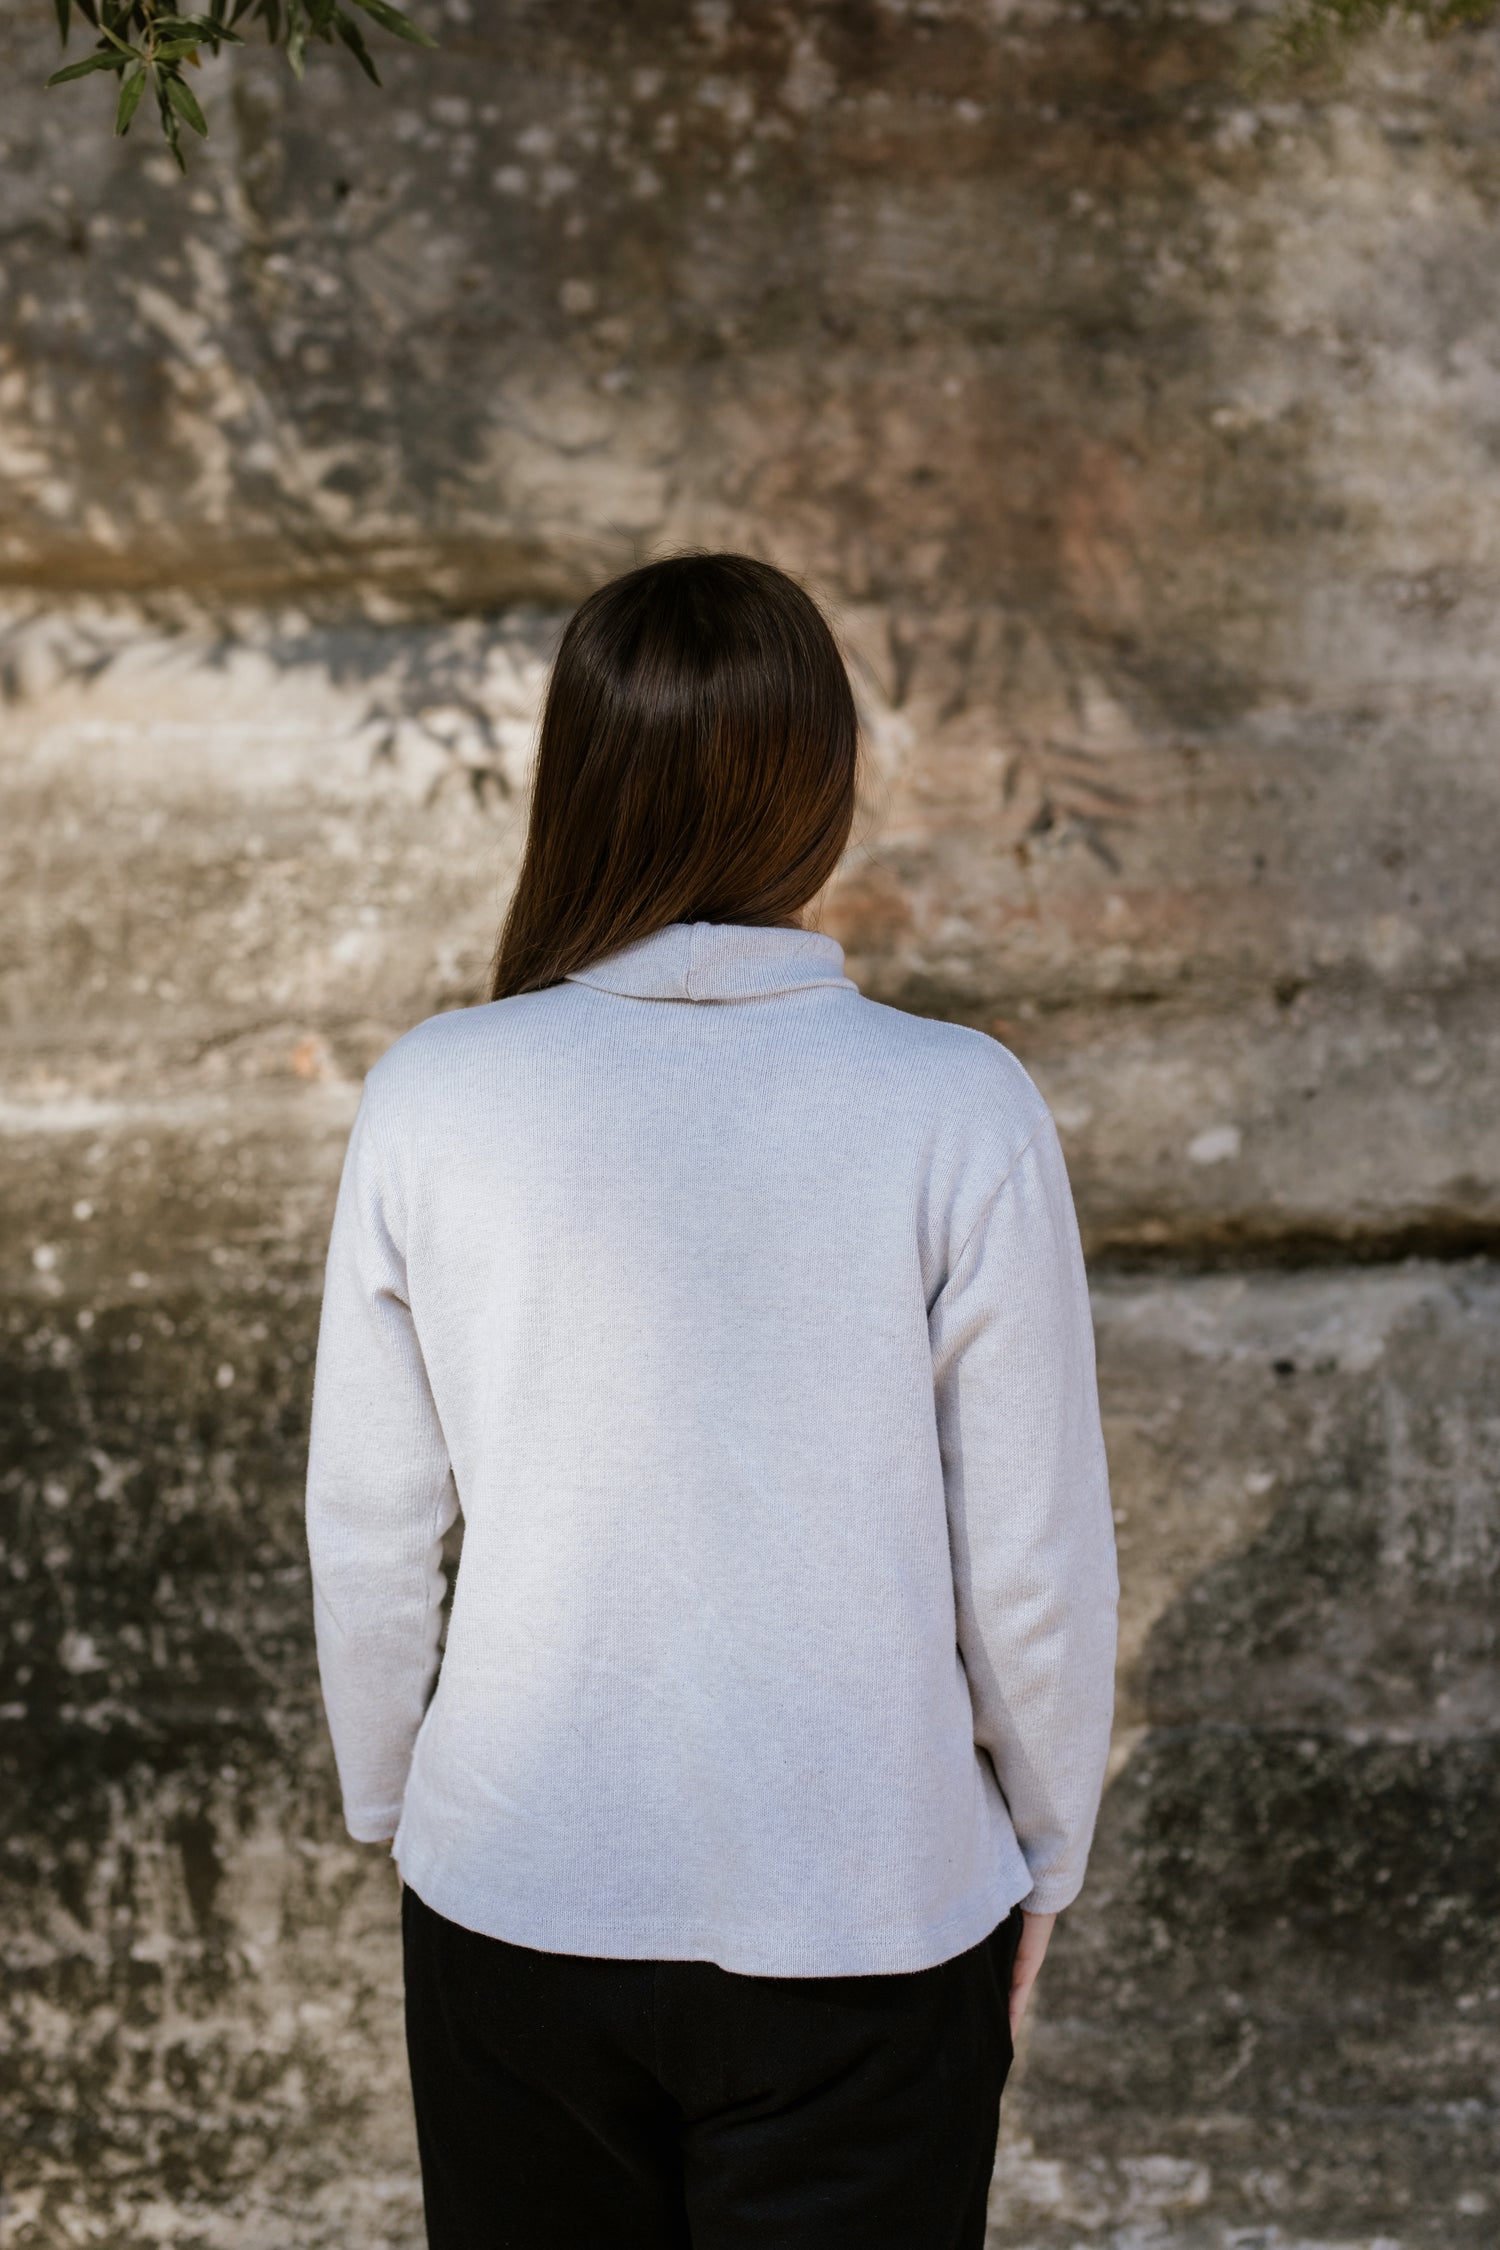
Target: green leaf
391	19
354	39
169	121
183	101
196	28
132	86
82	69
123	45
62	7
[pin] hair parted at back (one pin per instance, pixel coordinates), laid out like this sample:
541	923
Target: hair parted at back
697	762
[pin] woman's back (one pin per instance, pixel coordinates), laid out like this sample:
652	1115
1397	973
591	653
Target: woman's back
742	1313
745	1320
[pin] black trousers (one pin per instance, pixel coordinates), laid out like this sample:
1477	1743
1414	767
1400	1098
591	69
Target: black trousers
572	2103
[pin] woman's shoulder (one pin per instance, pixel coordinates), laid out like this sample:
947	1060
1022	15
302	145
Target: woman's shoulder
973	1075
437	1046
950	1078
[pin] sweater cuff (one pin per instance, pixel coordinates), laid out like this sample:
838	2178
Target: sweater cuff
1049	1898
373	1827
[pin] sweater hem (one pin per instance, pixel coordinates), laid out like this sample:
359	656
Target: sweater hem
742	1949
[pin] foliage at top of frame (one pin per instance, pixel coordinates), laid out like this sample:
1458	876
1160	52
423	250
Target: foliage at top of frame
146	42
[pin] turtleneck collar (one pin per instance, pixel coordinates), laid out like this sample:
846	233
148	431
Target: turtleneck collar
718	961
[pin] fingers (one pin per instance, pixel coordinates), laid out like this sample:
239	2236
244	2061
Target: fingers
1036	1935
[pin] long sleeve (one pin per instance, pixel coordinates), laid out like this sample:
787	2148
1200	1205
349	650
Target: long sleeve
1030	1522
380	1496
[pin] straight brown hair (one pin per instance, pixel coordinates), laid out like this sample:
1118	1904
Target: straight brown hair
698	762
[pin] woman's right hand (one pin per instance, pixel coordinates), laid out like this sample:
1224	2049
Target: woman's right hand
1036	1933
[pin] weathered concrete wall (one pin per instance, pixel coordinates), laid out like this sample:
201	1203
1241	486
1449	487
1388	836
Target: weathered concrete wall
1143	436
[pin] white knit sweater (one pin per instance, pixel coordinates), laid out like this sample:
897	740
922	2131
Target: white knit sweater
745	1319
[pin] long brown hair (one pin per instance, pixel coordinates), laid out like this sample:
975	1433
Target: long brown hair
698	762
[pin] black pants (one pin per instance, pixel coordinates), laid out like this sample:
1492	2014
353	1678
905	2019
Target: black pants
570	2103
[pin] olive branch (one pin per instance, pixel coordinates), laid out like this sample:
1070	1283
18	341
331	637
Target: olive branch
145	42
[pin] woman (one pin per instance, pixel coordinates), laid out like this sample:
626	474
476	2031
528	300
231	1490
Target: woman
745	1319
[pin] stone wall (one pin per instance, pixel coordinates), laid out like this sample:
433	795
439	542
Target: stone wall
1142	433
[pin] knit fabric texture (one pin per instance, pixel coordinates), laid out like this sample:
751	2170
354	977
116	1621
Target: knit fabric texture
745	1319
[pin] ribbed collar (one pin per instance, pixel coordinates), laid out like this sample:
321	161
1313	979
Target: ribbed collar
718	961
